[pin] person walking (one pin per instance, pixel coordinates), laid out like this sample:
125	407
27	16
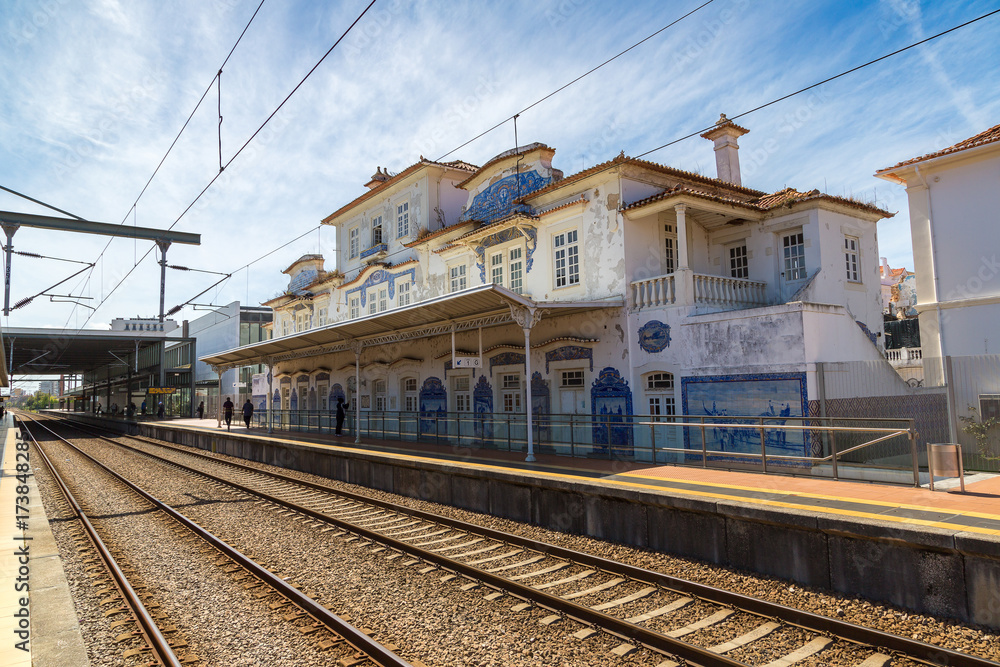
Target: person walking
227	412
341	415
247	412
201	410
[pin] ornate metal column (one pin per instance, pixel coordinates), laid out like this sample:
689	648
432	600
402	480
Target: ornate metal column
357	346
527	317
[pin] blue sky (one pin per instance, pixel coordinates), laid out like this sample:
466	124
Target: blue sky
94	93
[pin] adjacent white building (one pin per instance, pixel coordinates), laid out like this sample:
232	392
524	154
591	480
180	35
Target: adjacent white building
954	196
481	298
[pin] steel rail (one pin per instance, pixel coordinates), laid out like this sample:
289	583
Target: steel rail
695	655
151	634
912	648
352	635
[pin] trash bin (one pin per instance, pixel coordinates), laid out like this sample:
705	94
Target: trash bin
945	459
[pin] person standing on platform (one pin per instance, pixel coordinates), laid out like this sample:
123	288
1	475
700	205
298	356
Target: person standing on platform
341	415
247	412
201	410
160	412
143	407
227	411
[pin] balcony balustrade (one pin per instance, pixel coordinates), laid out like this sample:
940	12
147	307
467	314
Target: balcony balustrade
717	291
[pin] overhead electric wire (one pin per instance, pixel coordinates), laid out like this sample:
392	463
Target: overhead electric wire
827	80
565	86
172	144
122	280
39	202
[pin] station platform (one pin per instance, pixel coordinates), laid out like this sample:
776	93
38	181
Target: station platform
38	620
976	510
927	551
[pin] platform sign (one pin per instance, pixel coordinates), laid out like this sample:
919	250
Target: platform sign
162	390
467	362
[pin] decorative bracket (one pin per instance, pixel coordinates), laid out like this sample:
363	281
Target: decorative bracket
526	316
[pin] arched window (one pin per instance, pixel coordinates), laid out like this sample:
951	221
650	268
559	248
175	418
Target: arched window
660	394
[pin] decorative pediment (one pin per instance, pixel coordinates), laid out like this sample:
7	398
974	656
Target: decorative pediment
501	198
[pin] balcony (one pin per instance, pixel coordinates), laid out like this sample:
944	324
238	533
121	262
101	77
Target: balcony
905	356
375	252
718	292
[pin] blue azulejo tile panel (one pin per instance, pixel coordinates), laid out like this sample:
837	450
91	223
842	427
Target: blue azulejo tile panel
654	336
374	250
744	399
433	402
611	406
500	199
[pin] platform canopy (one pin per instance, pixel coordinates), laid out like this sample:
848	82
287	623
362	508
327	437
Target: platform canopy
482	306
69	351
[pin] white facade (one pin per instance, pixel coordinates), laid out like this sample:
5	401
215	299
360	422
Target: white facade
702	296
953	200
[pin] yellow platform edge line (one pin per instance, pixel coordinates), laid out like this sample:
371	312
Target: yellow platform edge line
708	494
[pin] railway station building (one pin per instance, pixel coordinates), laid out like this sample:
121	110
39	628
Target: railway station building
466	302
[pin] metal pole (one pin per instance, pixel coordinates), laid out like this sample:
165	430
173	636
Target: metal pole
357	393
218	411
163	245
527	393
193	361
9	229
269	403
833	452
704	446
913	454
763	446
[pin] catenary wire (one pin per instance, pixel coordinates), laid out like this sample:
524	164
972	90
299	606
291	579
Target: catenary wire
172	144
567	85
122	280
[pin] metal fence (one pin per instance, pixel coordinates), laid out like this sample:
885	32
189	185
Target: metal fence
883	449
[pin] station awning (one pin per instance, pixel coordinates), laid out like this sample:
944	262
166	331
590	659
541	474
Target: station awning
483	306
68	351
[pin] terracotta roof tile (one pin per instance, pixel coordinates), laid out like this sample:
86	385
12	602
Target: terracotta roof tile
440	232
455	164
788	196
663	169
985	137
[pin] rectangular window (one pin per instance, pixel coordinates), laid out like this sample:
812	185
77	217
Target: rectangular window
353	235
403	289
355	307
567	259
463	399
516	270
321	317
285	327
458	282
794	256
739	266
571	379
669	248
403	219
510	395
372	303
383	300
496	268
377	230
851	258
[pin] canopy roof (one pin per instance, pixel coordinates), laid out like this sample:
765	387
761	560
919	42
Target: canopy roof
485	305
65	351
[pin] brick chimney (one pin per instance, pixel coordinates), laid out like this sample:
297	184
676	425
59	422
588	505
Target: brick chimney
727	158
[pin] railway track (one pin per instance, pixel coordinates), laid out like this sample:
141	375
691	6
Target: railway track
147	629
642	607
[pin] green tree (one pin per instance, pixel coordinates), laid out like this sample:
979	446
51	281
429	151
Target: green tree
40	401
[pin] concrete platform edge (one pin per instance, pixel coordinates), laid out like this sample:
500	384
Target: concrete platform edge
921	568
